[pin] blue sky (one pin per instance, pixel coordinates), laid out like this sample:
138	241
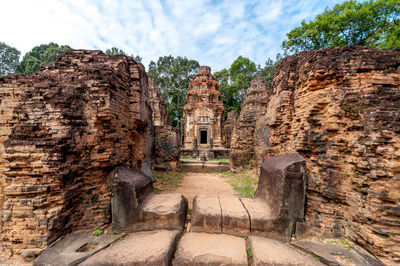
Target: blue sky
213	32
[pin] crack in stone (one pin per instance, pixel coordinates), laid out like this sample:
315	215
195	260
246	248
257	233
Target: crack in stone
248	214
222	216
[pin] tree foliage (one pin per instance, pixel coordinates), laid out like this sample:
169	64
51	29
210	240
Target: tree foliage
234	82
173	76
41	55
115	51
268	70
137	58
374	23
9	58
118	51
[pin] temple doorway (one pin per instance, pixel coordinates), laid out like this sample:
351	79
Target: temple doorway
203	136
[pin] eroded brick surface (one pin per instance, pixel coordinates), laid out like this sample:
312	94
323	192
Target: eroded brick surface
339	108
62	131
229	125
167	141
244	133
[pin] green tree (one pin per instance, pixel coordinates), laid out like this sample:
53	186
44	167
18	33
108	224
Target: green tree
242	71
118	51
173	76
41	55
268	70
137	58
115	51
234	82
374	23
9	58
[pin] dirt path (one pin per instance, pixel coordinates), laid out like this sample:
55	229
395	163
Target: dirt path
203	183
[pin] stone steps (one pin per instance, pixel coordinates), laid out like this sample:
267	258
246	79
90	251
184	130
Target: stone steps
231	215
210	249
209	166
223	231
151	248
162	211
135	207
165	247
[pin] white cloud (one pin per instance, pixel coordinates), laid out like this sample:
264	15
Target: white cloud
212	32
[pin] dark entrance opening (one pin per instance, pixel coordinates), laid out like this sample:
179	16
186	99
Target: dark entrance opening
203	137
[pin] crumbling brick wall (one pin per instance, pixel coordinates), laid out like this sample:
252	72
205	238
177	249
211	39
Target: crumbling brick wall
62	131
167	139
229	125
340	109
243	135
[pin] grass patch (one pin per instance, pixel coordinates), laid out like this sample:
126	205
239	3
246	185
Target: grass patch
97	232
167	181
220	160
187	159
249	251
245	183
347	244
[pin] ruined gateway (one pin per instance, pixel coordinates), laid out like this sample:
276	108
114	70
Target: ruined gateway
67	131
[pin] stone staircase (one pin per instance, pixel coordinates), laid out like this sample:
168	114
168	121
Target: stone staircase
207	166
231	215
223	230
219	233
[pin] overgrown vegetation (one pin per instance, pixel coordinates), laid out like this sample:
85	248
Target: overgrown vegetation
9	58
173	75
234	81
167	181
245	183
374	23
97	232
41	55
346	244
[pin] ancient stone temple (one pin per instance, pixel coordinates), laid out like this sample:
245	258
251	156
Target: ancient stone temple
203	117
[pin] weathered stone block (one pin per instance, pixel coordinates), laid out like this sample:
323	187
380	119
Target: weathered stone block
272	252
235	219
206	214
129	188
151	248
210	249
72	249
282	187
163	211
329	250
263	223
